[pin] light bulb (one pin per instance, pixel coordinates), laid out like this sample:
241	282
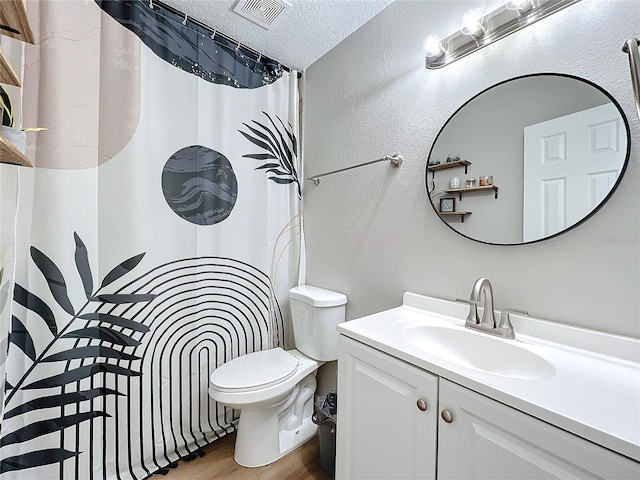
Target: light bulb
519	6
472	22
432	47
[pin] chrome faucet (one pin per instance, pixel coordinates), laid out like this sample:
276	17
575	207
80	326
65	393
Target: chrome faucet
482	295
482	288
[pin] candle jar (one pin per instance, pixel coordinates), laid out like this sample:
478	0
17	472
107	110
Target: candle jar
486	180
454	182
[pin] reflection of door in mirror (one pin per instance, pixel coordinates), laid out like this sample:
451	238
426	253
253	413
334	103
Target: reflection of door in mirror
570	165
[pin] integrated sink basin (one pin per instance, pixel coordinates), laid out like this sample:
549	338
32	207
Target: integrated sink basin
478	351
582	381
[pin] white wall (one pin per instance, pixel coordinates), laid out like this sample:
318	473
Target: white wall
371	232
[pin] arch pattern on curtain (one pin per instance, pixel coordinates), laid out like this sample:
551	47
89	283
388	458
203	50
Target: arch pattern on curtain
153	243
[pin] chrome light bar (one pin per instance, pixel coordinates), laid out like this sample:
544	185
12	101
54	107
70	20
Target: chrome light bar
495	25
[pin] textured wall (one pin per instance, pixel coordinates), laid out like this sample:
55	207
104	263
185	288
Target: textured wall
372	234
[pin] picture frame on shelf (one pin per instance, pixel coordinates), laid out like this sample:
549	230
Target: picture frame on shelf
447	204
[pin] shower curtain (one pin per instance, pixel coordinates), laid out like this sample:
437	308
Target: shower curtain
156	239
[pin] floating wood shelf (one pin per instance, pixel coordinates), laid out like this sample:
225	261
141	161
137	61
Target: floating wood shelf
10	154
445	166
14	22
484	188
8	74
462	214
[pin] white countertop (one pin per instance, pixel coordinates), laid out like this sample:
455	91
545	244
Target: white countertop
595	392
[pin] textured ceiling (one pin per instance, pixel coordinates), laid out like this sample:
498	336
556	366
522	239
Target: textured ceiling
299	36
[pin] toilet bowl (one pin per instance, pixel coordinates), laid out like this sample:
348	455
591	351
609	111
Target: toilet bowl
275	414
274	389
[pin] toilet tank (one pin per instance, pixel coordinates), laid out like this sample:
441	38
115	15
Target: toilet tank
315	312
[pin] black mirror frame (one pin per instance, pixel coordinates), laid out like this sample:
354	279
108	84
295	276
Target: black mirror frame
586	217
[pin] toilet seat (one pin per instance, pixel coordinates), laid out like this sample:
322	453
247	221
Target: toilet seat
255	371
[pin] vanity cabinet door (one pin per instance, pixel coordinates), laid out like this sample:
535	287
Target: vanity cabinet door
387	416
486	439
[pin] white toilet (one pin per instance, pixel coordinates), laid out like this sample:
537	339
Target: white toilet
274	389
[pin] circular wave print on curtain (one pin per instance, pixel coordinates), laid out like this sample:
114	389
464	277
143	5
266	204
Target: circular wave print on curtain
199	185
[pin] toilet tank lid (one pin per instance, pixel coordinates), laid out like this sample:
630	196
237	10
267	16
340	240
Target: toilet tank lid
317	297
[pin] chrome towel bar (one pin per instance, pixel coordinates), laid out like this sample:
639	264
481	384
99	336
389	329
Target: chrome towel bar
396	161
631	47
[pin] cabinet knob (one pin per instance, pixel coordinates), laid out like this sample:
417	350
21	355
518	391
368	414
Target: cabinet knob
446	416
422	405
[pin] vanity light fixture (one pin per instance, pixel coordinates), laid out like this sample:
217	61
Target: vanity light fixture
478	30
433	47
519	6
473	23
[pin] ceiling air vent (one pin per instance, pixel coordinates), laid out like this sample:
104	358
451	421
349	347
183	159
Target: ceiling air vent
262	12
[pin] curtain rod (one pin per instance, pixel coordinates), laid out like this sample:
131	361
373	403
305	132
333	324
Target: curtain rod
175	11
396	161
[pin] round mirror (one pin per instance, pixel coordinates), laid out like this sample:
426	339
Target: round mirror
528	159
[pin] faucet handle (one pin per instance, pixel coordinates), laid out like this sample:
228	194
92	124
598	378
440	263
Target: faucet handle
472	317
504	326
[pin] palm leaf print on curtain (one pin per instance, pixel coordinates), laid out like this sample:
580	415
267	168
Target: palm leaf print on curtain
278	143
85	347
142	154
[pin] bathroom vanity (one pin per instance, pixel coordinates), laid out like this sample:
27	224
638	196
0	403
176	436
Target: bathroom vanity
420	396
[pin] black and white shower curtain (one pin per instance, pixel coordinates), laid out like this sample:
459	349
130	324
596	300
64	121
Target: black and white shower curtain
156	238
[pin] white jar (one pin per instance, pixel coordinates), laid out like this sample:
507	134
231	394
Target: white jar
454	182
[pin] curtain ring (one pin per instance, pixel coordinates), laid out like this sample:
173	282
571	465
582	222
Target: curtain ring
151	4
213	35
184	22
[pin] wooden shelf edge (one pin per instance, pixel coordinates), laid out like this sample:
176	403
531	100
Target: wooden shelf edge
444	166
10	154
461	214
13	15
471	189
483	188
7	73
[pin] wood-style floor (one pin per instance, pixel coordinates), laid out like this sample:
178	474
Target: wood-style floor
217	463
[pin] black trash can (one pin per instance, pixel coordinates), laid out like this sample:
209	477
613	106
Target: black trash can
325	416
